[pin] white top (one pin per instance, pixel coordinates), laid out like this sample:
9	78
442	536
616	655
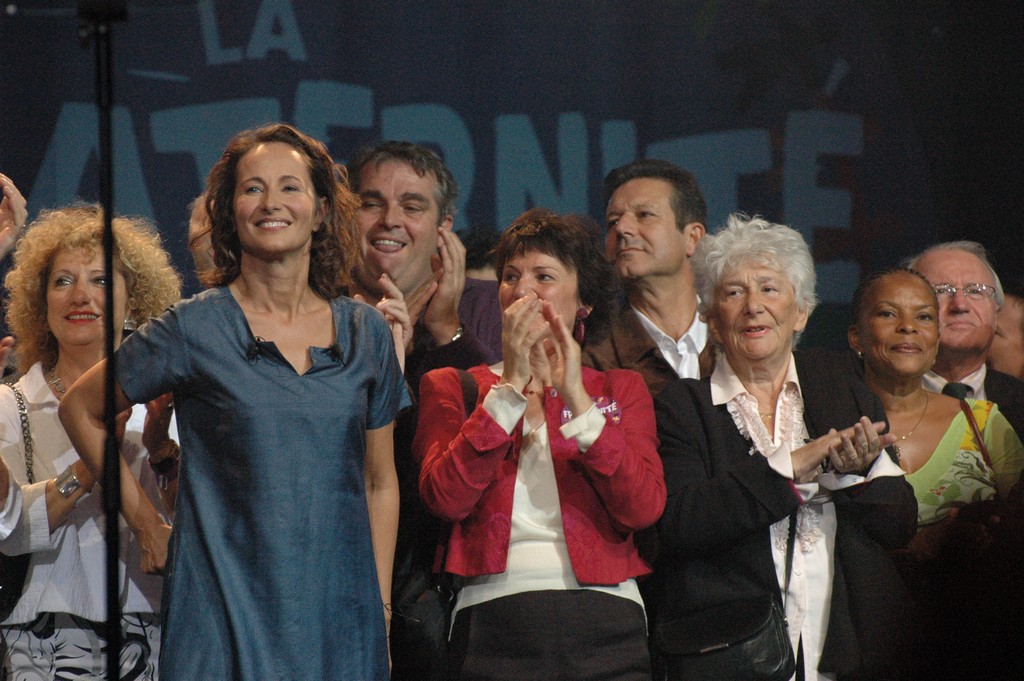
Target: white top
975	381
68	568
808	599
682	355
538	559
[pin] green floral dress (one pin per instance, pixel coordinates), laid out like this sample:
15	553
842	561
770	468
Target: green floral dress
956	474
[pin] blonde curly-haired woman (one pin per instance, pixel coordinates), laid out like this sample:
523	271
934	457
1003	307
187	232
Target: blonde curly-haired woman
56	309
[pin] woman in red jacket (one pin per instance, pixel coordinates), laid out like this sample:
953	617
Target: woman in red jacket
546	478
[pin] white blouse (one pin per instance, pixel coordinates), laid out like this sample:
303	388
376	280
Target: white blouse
538	559
67	573
808	598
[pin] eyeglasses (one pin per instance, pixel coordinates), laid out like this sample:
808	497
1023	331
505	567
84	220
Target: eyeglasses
972	291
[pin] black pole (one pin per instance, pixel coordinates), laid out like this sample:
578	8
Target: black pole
96	19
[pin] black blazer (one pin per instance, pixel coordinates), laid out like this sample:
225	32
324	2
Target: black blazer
1008	392
714	538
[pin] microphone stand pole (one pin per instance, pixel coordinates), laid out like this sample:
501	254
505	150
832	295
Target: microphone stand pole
95	22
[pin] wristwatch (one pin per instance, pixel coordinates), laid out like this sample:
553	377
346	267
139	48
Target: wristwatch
67	483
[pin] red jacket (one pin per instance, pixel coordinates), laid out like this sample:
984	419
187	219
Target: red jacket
468	471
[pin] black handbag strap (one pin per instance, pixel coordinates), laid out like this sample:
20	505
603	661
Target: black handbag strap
789	558
470	391
26	433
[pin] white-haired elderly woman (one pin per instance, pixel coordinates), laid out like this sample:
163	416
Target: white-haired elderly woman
770	440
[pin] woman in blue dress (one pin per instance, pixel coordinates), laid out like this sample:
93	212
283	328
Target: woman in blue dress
286	392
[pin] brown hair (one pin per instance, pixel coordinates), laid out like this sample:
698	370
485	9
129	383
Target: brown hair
334	244
573	241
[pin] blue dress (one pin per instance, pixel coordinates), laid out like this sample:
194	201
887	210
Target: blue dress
270	573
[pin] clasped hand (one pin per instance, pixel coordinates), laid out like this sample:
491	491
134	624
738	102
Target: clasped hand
537	345
850	450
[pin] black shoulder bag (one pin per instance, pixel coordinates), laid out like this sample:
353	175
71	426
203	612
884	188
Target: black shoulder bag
14	569
421	628
745	639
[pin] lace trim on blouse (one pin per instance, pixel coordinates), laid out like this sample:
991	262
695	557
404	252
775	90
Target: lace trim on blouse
790	416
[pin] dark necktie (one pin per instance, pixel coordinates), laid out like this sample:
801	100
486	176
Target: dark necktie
957	390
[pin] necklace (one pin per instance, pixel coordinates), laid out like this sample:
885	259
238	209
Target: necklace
910	432
53	380
766	416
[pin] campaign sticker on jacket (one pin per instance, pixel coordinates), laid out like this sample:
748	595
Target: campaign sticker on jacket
605	405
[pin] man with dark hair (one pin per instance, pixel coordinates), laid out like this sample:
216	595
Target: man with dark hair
655	217
408	248
405	227
970	296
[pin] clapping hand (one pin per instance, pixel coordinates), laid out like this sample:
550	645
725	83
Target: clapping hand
522	325
13	213
561	354
858	446
442	311
392	305
850	450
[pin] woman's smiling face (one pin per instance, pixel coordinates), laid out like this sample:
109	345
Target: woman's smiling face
755	315
898	327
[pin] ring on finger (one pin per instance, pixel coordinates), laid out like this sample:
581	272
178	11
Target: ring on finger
865	448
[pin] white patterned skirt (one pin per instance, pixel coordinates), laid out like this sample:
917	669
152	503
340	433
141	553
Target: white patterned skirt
63	647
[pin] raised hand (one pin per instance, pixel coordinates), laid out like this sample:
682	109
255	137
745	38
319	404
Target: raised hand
392	305
442	311
563	359
853	458
522	326
13	213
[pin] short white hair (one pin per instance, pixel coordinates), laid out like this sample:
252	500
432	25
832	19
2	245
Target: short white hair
747	240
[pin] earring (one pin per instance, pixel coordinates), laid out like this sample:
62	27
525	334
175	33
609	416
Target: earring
860	355
579	329
129	325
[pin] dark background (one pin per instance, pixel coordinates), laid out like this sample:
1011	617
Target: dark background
961	67
936	87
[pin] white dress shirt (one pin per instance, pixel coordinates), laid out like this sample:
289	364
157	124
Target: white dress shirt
975	382
682	355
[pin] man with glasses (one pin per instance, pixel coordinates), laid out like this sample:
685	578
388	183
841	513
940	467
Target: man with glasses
970	296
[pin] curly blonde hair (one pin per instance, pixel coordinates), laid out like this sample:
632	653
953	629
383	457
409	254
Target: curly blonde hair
152	284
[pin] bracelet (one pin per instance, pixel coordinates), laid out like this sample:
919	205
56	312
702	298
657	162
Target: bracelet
164	465
458	334
166	469
67	483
